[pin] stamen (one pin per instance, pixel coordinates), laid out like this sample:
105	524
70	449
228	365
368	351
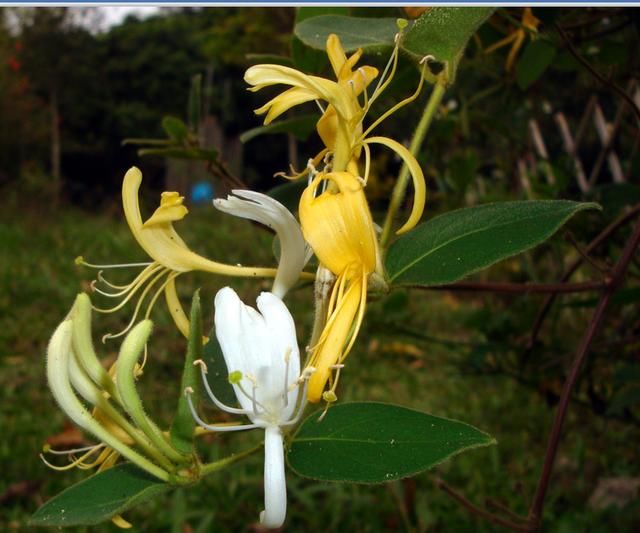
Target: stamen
137	308
382	82
133	288
169	279
252	397
364	85
47	449
367	163
74	463
212	396
80	261
188	392
322	110
123	288
399	105
287	358
301	406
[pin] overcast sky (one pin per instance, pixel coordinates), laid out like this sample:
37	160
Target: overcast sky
114	15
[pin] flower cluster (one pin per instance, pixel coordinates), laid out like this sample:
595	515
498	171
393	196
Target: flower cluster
260	347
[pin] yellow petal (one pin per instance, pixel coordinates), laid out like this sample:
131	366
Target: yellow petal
329	350
120	522
330	91
285	101
336	54
419	185
170	210
164	245
338	224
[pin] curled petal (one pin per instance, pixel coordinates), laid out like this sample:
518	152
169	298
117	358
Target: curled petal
420	188
285	101
160	240
271	213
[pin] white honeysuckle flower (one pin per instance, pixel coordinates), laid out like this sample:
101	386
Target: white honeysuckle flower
261	353
271	213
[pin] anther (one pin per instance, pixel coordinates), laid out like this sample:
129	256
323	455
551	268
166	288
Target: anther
427	58
201	364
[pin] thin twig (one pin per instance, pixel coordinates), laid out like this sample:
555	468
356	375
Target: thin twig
614	87
517	288
602	237
571	239
444	487
615	281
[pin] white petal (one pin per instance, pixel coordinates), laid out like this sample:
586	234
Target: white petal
231	335
268	211
275	485
282	330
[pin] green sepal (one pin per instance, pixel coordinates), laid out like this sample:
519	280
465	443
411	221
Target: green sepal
183	426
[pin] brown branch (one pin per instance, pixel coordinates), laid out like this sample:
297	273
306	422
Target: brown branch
614	282
517	288
602	237
483	513
614	87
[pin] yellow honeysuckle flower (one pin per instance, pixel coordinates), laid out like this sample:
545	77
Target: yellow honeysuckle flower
338	226
516	38
341	125
171	257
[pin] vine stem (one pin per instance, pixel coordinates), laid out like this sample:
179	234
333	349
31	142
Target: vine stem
600	239
518	288
209	468
403	179
614	282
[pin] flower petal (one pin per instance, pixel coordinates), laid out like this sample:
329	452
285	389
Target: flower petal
271	213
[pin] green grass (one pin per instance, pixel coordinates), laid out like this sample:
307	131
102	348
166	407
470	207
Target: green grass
38	282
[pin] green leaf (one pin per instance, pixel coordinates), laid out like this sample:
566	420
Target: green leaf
175	129
376	442
217	373
536	58
458	243
443	32
305	58
300	127
183	422
99	498
354	32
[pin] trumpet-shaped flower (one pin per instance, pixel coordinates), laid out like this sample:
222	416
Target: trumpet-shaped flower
337	224
75	376
341	125
261	353
172	257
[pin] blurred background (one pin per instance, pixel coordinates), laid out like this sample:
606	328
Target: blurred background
535	113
